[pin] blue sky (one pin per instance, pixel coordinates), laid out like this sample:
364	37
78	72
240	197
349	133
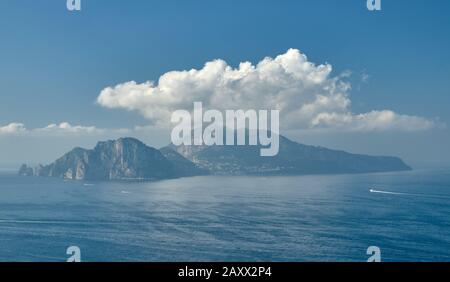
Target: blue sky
54	63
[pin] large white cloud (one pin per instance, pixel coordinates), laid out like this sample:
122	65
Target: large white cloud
306	94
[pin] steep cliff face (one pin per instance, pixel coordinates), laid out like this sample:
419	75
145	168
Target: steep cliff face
129	158
122	159
72	165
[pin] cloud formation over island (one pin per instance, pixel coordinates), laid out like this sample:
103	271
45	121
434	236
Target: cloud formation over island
306	94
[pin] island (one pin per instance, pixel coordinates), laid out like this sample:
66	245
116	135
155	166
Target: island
130	159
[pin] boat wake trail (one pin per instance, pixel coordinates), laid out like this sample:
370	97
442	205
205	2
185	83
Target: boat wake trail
390	193
409	194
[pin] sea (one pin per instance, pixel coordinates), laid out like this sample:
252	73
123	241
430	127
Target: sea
405	215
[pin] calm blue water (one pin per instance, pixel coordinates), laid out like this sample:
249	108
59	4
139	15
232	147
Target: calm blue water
307	218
